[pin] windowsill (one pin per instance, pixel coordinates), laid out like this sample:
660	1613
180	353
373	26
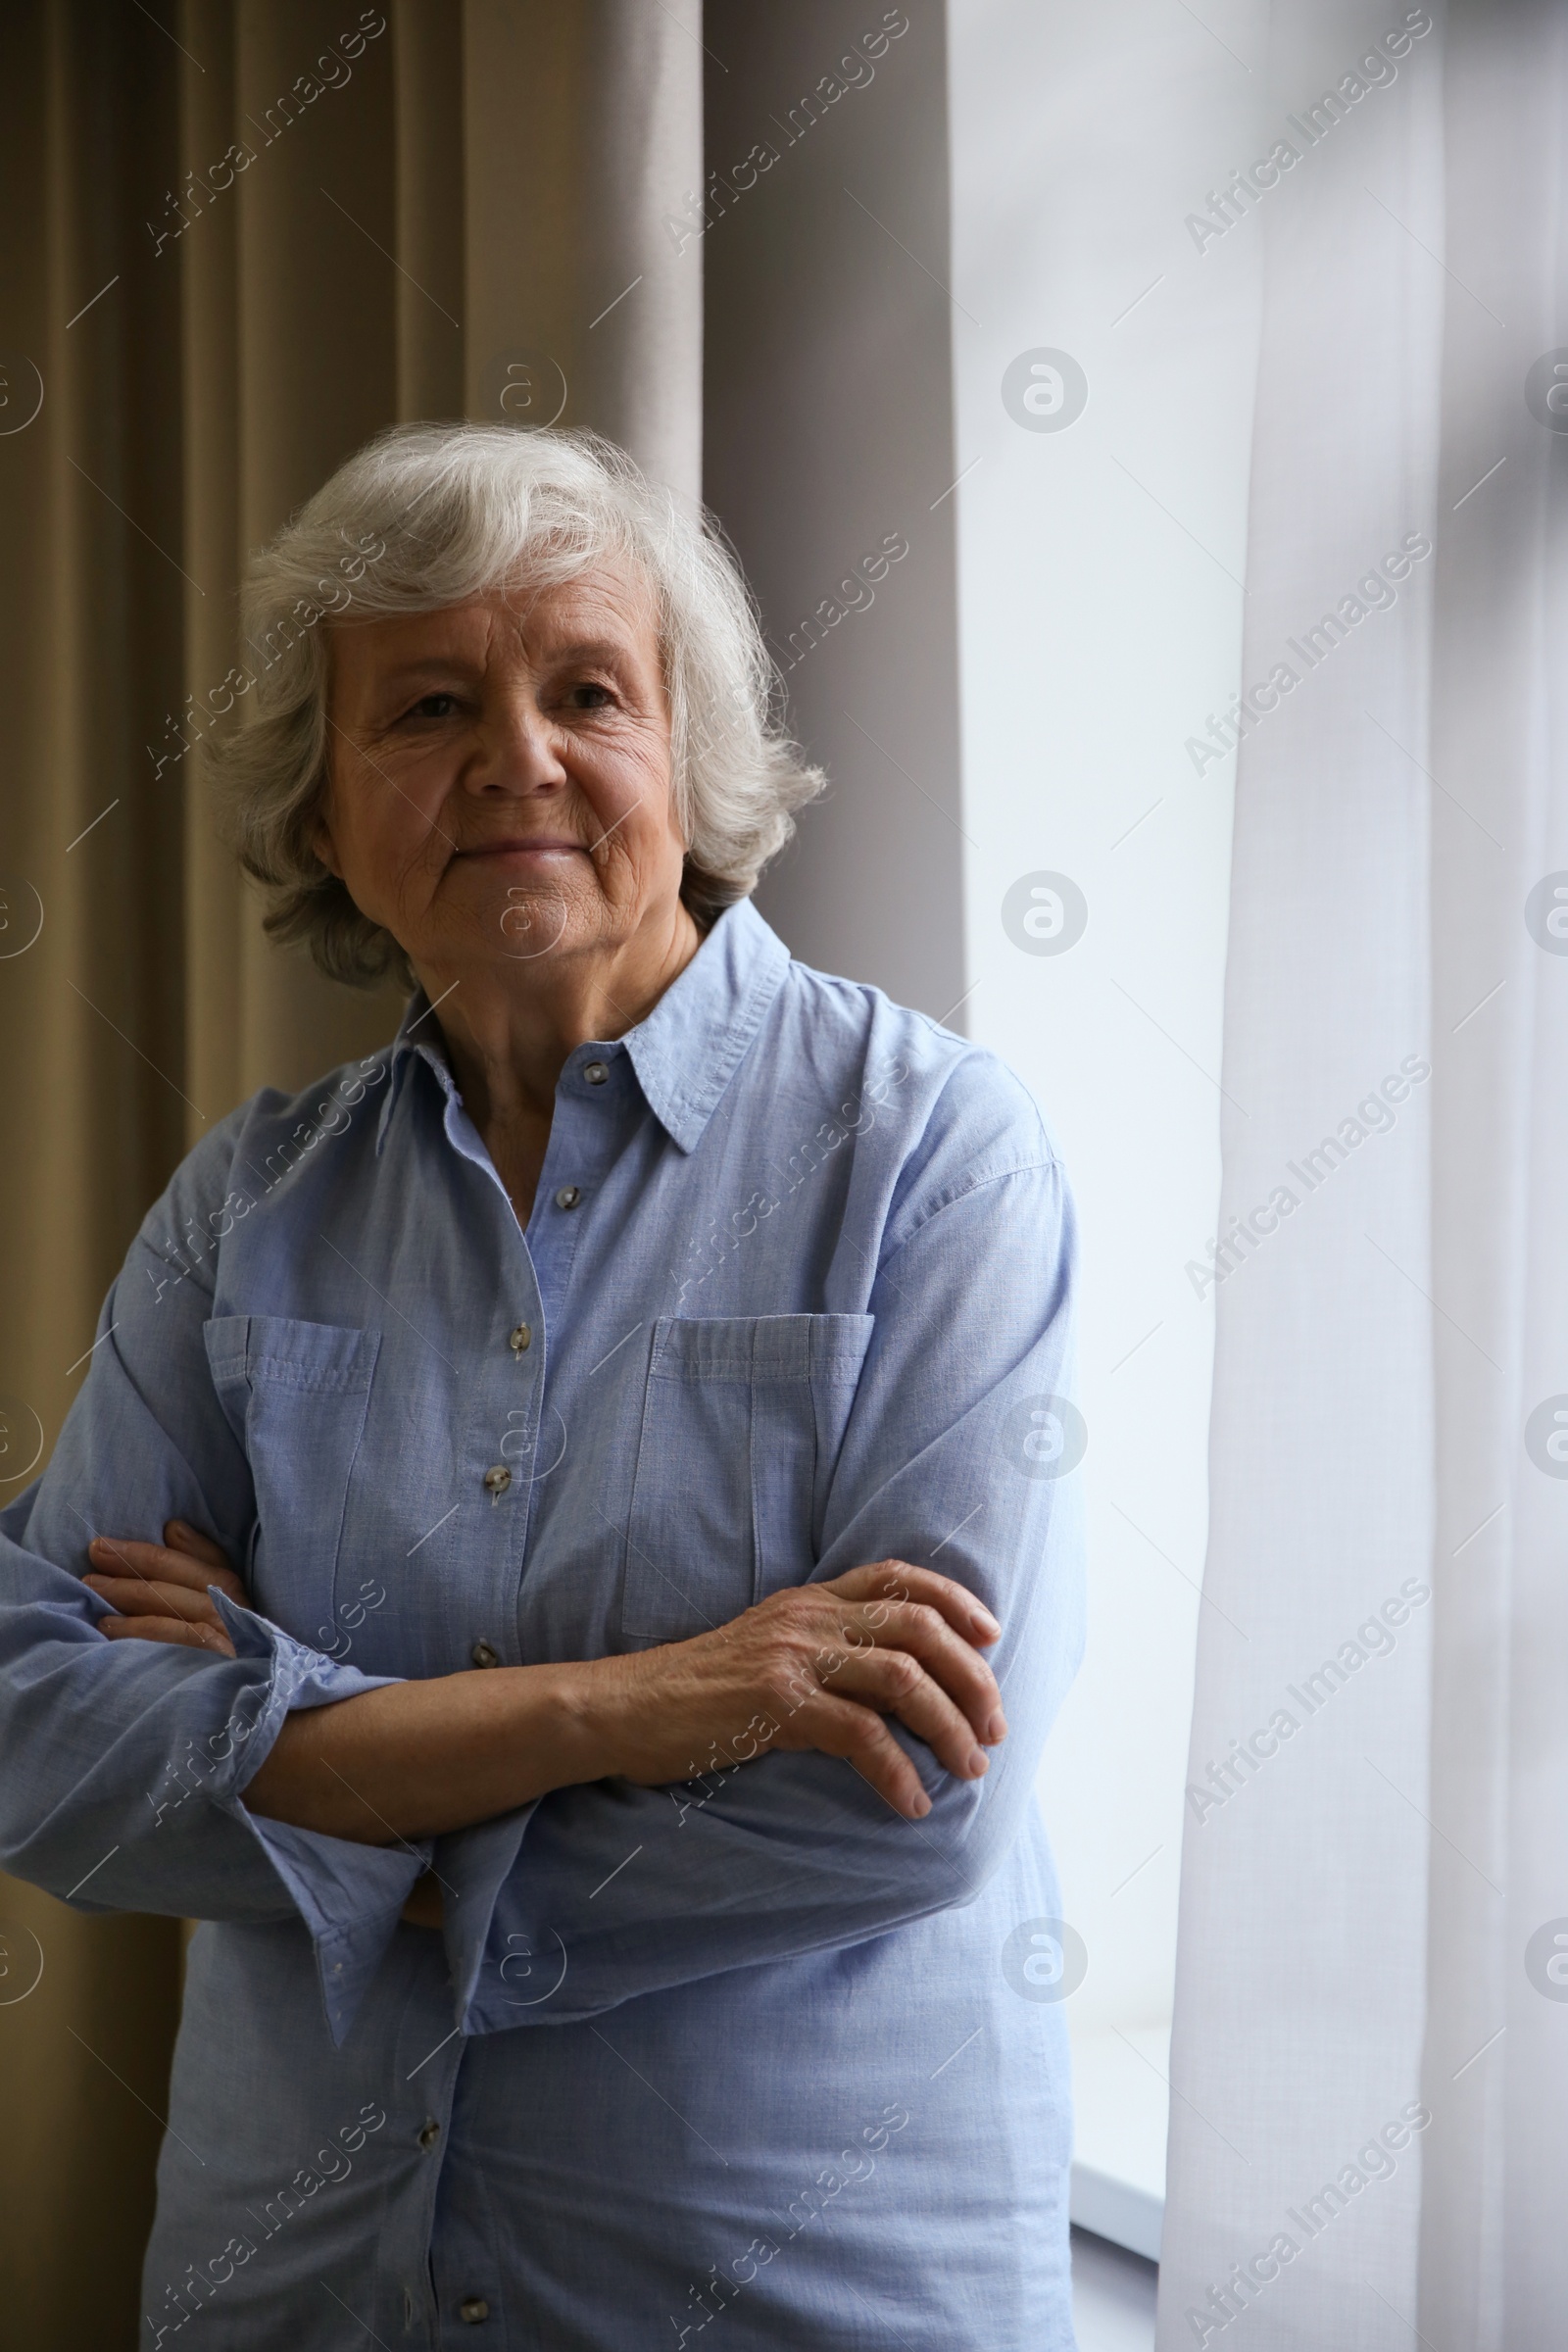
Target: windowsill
1122	2108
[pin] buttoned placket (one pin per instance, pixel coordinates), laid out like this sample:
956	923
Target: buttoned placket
502	1385
583	1133
582	1137
429	2087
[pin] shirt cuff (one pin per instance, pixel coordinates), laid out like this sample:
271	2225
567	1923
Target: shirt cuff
472	1866
349	1895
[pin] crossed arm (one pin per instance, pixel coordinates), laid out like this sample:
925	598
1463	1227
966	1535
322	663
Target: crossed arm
815	1667
239	1788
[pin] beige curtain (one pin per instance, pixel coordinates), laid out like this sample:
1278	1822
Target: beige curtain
444	210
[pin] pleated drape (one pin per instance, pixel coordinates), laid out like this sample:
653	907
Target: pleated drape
442	210
1369	2060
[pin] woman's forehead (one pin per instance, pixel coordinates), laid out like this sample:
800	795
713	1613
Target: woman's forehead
609	605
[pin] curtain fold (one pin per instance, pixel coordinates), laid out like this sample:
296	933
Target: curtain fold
427	189
1369	2053
1493	2268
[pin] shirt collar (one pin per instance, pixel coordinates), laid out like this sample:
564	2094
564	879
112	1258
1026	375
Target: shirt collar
418	1039
684	1054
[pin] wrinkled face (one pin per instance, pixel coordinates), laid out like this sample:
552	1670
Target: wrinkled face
499	775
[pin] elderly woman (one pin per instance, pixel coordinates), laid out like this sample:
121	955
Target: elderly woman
523	1564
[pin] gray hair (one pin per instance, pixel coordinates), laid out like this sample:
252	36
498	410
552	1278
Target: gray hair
429	515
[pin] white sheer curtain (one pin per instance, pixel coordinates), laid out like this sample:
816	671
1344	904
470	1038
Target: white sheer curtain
1370	2064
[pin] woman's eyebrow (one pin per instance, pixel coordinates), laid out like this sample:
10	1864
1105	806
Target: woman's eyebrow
427	665
606	651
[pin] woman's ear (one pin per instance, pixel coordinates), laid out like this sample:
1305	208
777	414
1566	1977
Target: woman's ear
322	844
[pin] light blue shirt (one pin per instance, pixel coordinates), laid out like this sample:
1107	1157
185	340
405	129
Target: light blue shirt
749	2061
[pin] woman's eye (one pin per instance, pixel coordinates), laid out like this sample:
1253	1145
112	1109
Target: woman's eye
589	697
433	706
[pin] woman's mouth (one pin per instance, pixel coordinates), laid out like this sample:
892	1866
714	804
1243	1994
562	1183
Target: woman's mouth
546	847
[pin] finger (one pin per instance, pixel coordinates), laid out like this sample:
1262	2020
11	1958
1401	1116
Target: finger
950	1660
168	1629
887	1581
838	1727
920	1630
179	1536
896	1684
120	1555
144	1596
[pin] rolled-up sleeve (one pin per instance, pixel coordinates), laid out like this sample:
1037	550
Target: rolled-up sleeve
959	1456
126	1762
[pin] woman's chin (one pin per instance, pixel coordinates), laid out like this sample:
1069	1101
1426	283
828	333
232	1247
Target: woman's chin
521	923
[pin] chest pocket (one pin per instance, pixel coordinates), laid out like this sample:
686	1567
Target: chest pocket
295	1395
743	1417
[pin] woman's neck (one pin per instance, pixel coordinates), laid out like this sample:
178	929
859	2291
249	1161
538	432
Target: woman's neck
509	1028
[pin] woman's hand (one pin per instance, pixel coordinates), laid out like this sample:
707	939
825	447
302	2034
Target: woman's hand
817	1666
160	1590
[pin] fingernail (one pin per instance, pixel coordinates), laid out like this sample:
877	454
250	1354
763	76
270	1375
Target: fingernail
178	1527
979	1762
922	1805
985	1623
996	1728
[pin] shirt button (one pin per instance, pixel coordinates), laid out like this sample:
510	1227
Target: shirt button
520	1339
483	1654
567	1196
497	1480
429	2134
474	2308
596	1073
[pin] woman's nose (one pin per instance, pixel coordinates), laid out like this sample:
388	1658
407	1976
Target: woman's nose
518	749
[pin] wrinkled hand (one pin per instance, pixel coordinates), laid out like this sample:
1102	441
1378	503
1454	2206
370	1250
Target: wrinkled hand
817	1666
160	1590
